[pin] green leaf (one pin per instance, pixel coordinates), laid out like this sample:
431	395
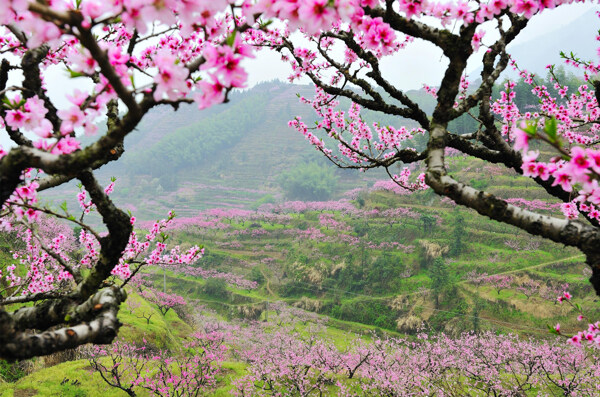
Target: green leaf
73	74
266	23
71	218
531	128
231	39
550	129
63	206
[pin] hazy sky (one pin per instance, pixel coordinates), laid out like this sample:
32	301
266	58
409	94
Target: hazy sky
421	63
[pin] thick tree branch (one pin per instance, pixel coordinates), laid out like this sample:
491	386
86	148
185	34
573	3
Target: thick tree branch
112	245
489	73
98	324
441	38
573	233
459	143
32	82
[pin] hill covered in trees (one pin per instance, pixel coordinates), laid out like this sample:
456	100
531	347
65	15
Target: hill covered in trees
327	278
329	281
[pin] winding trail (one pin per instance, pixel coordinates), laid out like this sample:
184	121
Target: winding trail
268	285
538	265
494	274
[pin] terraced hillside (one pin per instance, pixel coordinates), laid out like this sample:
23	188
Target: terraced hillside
384	263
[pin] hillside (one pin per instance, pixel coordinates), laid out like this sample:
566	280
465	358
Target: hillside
345	273
230	155
577	36
373	266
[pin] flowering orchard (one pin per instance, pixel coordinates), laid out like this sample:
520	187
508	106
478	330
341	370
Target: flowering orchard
291	355
131	56
189	372
475	365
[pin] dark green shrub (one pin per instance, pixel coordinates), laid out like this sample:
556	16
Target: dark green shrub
256	275
216	288
310	182
10	372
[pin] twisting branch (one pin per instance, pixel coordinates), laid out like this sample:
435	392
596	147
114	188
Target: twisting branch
441	38
96	321
32	82
489	73
416	113
112	245
377	103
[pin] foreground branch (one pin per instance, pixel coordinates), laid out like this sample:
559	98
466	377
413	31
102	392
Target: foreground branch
100	327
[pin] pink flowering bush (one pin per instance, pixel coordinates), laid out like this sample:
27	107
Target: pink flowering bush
163	300
189	372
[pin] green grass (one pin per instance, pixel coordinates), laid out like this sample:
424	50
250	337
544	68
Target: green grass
231	371
47	383
164	332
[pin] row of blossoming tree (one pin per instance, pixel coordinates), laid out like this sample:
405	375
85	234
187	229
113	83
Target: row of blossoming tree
282	358
134	55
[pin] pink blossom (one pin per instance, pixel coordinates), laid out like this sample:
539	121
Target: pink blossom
521	140
171	78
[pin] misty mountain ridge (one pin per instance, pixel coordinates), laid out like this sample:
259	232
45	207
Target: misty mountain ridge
232	154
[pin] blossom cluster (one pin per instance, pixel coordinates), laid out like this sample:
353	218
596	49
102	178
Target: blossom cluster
48	246
569	118
356	139
163	300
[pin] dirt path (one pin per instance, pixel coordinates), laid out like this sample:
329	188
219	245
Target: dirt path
268	285
538	265
502	273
